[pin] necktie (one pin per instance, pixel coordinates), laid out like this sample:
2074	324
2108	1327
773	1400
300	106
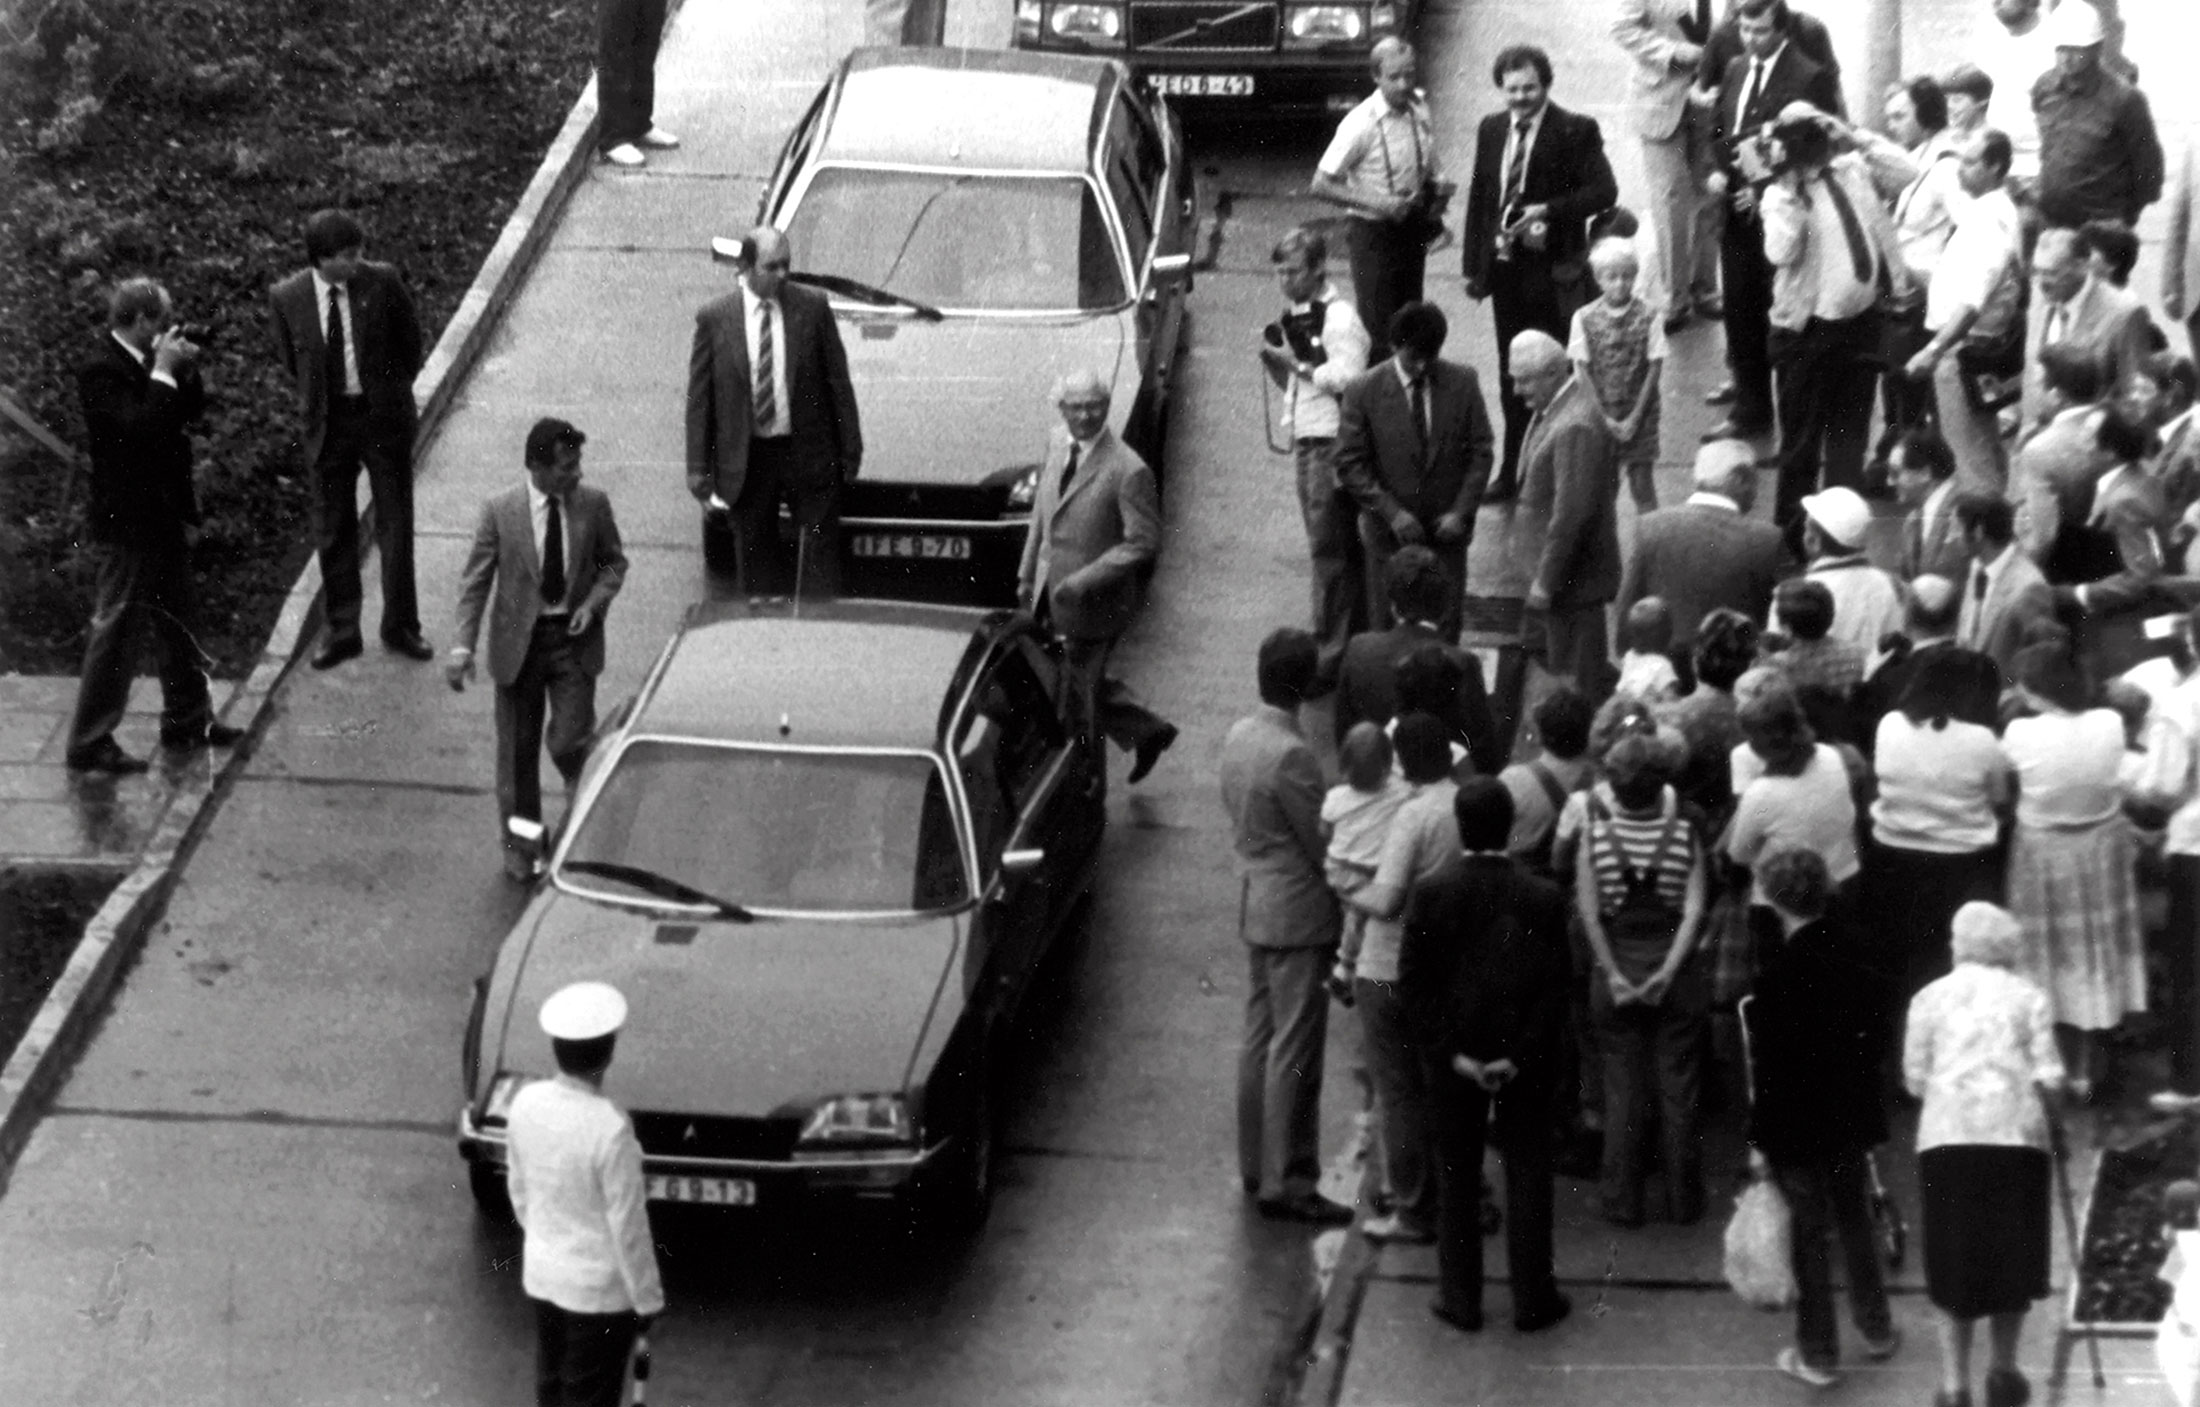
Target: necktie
336	378
1750	87
1516	170
1860	250
553	558
1069	470
767	398
1417	394
1978	583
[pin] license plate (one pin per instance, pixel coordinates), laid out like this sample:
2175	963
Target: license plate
709	1191
1203	85
930	547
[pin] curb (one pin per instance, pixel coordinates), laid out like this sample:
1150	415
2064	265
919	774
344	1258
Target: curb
111	941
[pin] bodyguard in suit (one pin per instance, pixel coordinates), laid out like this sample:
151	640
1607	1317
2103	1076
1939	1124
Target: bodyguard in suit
1666	38
2077	307
1095	533
139	389
771	419
2007	603
1287	918
1930	619
346	333
1924	472
1367	684
545	563
1708	553
1567	533
1771	73
1414	447
1539	174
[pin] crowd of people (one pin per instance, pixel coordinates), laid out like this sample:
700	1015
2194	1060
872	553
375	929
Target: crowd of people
1850	819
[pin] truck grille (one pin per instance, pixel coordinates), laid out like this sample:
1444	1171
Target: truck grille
1204	26
751	1140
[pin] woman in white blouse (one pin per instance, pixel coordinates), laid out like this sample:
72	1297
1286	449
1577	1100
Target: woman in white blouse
1980	1053
2071	883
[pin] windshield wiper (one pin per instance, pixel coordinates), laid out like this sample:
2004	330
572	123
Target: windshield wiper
660	886
868	293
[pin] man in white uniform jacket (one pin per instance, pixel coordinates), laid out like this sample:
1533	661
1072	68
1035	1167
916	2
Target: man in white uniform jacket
576	1178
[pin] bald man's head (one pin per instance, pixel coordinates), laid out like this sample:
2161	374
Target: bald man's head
770	256
1729	468
1539	367
1082	398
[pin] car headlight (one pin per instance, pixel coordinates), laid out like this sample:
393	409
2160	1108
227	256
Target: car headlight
1090	23
1029	15
499	1103
1326	24
859	1118
1025	491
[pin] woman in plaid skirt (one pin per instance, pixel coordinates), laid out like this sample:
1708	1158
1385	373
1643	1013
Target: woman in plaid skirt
2071	884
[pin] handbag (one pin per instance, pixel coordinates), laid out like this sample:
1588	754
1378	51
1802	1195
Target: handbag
1760	1245
1990	361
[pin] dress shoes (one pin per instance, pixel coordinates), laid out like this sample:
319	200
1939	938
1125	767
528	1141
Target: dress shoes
1150	749
107	756
409	643
1731	429
625	154
1542	1315
335	652
212	735
1466	1321
2006	1387
660	139
1721	394
1310	1207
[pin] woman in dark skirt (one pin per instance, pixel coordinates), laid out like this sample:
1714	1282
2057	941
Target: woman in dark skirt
1980	1052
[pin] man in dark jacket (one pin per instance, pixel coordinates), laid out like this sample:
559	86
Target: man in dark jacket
1368	680
1818	1028
1483	972
140	387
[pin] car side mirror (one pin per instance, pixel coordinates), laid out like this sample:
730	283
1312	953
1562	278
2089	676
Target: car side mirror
1022	862
1170	268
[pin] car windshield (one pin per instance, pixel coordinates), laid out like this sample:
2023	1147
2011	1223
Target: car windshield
961	242
776	829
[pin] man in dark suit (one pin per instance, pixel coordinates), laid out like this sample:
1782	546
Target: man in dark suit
1772	72
1923	467
139	388
1483	971
1806	32
1367	684
1929	624
1567	534
545	563
1709	552
1414	447
771	419
347	335
1095	533
1539	174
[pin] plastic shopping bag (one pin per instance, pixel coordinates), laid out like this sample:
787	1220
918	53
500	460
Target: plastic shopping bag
2177	1342
1759	1242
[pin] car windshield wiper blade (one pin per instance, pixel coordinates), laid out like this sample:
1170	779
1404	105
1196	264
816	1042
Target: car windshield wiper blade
869	293
660	886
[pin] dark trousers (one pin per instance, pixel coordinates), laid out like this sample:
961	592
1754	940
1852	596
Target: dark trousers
145	593
1279	1090
2183	946
551	683
580	1359
1101	703
1379	544
1388	266
767	564
1401	1098
1905	403
1747	277
358	439
1523	295
1913	894
1653	1054
1578	647
627	34
1333	545
1460	1111
1826	372
1830	1197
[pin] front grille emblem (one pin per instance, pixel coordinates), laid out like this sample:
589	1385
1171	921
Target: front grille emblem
689	1136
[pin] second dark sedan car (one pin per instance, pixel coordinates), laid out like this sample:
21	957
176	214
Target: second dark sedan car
822	857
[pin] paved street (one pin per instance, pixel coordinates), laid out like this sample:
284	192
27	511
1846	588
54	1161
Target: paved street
248	1193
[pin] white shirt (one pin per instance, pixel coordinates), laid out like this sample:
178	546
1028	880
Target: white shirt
2068	767
1980	254
1428	408
1926	211
576	1180
2173	741
1310	406
1976	1043
1938	787
321	290
1813	275
2015	63
538	509
1971	630
752	326
1519	145
1753	82
145	360
1935	504
1867	603
1379	151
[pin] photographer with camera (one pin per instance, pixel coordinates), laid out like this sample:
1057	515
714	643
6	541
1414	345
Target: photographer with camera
1835	261
1539	174
1381	166
139	391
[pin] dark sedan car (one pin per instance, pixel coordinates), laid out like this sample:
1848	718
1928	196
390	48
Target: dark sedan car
984	221
822	857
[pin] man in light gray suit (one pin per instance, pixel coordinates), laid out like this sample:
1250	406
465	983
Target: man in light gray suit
1708	553
1567	531
1095	532
1665	39
2007	603
545	563
2077	306
1272	788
